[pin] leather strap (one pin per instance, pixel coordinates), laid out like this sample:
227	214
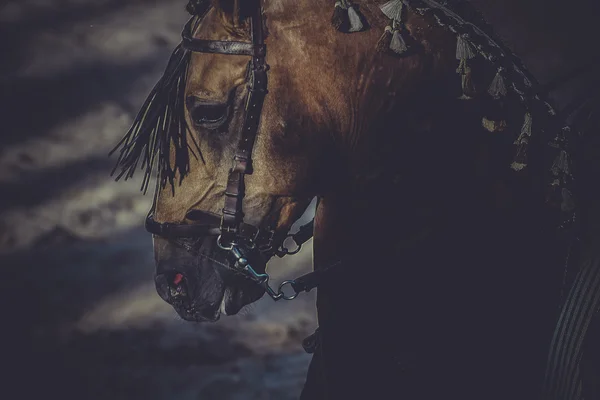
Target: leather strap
304	233
230	225
254	48
311	342
171	230
209	226
222	47
309	281
242	160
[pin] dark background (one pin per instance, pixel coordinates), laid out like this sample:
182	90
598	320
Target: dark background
80	314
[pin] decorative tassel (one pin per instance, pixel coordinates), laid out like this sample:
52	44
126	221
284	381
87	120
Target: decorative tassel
520	160
468	88
493	126
383	44
345	18
393	40
393	9
464	49
356	24
340	19
568	203
394	37
465	52
398	44
560	165
497	90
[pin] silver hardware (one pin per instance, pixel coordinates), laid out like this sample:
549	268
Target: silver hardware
222	247
261	279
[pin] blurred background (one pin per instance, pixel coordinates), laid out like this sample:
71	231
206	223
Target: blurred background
80	315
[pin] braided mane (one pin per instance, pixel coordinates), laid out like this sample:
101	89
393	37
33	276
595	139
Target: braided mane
542	125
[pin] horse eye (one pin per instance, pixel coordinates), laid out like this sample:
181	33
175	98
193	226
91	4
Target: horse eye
209	116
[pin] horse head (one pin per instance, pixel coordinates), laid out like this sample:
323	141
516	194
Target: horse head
198	275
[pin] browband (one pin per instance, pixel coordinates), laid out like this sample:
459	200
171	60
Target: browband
219	46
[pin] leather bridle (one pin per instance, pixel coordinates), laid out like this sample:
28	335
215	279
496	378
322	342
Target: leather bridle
232	233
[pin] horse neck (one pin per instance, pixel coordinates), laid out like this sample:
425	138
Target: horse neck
432	230
377	232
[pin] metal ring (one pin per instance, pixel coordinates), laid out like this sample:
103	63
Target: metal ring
291	253
228	248
285	251
283	295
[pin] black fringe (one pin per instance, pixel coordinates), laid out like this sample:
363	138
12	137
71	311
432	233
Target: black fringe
160	124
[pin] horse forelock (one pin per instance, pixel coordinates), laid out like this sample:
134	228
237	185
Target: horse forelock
234	14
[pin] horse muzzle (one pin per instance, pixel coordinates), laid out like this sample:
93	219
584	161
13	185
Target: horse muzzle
201	280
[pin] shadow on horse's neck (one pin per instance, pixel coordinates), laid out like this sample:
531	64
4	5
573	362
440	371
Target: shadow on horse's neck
374	231
429	267
415	229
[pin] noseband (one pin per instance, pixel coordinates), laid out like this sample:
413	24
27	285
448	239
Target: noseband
230	229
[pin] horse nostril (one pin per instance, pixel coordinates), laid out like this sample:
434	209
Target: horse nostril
171	287
177	278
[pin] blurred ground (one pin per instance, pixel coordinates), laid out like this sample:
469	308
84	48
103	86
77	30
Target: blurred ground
81	318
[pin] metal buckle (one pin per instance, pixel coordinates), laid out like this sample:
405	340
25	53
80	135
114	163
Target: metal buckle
269	245
261	279
222	247
282	285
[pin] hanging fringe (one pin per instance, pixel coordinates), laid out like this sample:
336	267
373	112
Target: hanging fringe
346	18
522	142
497	91
159	127
464	52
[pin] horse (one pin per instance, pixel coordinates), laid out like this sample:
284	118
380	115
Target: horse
440	165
